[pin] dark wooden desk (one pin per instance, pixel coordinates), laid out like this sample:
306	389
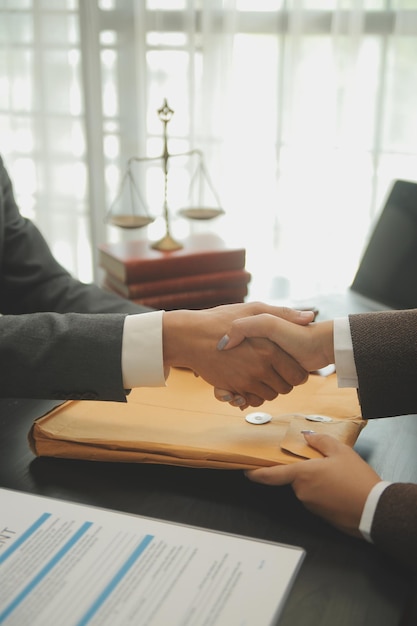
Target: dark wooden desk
342	582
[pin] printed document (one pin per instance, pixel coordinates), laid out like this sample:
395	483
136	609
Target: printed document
74	565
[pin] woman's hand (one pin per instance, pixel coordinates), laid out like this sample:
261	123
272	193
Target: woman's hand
335	487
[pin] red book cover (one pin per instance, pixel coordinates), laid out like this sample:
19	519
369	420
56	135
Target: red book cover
202	299
229	279
137	261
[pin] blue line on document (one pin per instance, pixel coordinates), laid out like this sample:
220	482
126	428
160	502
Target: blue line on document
108	589
24	536
44	571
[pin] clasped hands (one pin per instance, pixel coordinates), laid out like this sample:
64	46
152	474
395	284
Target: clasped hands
310	346
256	369
265	351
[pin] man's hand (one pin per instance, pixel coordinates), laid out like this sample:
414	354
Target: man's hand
335	487
256	370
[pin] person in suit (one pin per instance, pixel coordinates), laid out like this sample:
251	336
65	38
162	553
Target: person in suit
376	353
63	339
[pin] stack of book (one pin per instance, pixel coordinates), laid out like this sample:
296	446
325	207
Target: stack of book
204	273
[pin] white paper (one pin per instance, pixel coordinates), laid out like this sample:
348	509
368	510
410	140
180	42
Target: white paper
68	564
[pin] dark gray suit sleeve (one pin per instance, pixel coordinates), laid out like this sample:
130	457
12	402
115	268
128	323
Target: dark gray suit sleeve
63	356
31	280
59	338
385	353
394	528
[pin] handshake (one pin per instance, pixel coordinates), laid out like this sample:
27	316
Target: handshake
248	352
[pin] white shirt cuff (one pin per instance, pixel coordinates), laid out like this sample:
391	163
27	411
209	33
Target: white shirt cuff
142	351
369	509
343	353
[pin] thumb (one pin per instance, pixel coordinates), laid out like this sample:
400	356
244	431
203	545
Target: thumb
264	325
274	475
297	316
261	325
326	444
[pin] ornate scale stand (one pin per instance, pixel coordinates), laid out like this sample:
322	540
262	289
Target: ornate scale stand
135	220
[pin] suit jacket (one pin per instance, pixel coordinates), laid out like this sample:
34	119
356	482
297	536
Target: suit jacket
385	352
59	338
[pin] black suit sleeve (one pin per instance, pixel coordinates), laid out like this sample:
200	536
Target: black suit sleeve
59	338
63	356
31	280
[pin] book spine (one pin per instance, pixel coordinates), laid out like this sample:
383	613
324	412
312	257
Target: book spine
167	266
220	280
194	299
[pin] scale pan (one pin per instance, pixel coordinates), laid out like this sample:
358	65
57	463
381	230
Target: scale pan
130	221
200	213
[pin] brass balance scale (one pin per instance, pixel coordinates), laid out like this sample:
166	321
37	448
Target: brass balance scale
133	219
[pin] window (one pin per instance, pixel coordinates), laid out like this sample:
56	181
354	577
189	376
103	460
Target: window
304	112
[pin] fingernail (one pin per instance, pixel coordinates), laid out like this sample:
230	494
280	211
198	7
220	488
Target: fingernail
239	400
223	342
226	398
308	432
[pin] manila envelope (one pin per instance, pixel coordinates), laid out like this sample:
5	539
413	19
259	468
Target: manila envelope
183	424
